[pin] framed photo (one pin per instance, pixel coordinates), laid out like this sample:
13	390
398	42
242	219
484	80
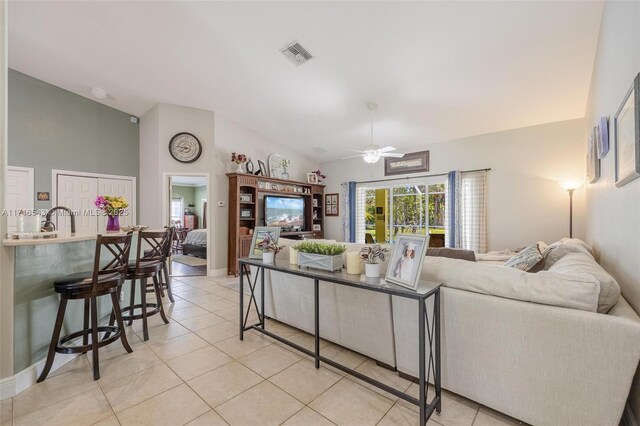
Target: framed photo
275	165
593	162
415	162
406	260
603	137
275	187
260	235
246	213
312	178
315	202
317	227
331	205
262	169
627	133
246	198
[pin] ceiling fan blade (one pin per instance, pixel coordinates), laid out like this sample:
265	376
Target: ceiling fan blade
389	154
351	156
357	150
386	149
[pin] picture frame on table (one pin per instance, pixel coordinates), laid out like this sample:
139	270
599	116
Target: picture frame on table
246	213
317	227
405	263
260	235
246	198
312	178
627	136
262	169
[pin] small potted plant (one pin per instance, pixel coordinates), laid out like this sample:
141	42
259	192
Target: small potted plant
372	256
323	256
285	164
269	251
239	159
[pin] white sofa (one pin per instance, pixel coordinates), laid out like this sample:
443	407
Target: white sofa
533	346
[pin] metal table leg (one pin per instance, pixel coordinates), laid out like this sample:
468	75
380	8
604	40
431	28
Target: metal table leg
421	360
242	266
436	314
316	297
261	317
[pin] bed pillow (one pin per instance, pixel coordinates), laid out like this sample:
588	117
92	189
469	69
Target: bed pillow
556	251
529	259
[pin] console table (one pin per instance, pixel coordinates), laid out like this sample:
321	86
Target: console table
428	328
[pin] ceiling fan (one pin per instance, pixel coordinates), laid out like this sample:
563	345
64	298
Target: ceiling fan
372	153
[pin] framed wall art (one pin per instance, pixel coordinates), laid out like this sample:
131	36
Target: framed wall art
627	136
415	162
331	205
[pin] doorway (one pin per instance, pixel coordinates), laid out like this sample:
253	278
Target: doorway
186	200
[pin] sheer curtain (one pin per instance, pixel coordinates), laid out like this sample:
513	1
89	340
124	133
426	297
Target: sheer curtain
467	210
348	206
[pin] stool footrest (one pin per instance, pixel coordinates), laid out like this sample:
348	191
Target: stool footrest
131	316
87	332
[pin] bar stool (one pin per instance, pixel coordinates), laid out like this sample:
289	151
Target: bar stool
166	283
89	286
145	267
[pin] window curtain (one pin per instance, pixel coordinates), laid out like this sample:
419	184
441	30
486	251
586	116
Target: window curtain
348	201
467	210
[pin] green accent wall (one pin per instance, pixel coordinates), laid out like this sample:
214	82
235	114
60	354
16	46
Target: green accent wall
187	193
200	194
52	128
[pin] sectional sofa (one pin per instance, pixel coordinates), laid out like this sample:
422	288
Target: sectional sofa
558	347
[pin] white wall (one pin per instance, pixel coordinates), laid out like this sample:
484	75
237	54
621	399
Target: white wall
219	137
613	214
525	201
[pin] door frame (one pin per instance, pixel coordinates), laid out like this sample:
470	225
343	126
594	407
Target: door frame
166	207
57	172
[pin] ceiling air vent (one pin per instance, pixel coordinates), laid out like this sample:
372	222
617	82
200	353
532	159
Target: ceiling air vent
296	53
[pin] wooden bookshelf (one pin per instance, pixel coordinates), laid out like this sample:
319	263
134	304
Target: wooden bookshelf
245	213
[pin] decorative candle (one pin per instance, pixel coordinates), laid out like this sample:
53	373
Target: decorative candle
353	262
293	256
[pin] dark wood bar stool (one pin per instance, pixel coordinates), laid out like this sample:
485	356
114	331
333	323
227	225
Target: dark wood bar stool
147	266
165	284
89	286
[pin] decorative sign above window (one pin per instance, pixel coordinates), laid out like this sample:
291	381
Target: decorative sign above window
415	162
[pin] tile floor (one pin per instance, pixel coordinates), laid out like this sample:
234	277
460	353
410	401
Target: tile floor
196	371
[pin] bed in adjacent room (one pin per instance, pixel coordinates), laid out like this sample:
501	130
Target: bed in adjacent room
195	243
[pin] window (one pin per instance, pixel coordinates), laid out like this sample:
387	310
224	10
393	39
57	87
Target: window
384	212
177	209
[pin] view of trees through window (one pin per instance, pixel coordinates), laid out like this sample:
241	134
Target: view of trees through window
415	209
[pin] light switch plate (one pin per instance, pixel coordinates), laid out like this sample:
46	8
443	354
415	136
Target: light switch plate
222	203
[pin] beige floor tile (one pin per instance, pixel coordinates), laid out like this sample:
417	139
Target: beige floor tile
303	381
488	417
82	409
176	406
177	346
214	303
305	340
77	364
160	333
188	293
348	403
125	364
342	356
270	360
237	348
381	374
281	329
228	294
307	417
223	383
218	332
53	390
6	411
198	362
232	314
456	410
263	404
202	321
210	418
187	313
109	421
179	303
402	416
123	394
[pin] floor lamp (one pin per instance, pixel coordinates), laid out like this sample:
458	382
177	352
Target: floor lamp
570	187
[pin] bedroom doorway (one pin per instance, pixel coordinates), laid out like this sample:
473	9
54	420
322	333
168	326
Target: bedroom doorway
186	208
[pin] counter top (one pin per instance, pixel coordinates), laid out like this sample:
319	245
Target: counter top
42	241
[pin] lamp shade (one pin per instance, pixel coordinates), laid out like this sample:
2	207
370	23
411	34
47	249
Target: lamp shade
571	184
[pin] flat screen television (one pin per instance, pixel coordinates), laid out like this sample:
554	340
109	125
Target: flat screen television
285	212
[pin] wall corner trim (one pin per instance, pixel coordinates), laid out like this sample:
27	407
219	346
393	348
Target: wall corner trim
13	385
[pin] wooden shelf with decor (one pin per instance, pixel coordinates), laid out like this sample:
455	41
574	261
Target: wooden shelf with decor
245	194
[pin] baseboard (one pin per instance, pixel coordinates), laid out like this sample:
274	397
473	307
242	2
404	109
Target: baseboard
628	419
13	385
217	272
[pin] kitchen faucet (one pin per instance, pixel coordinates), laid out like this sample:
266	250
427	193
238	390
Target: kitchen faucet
48	225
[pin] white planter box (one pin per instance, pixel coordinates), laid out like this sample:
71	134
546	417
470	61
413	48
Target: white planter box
321	261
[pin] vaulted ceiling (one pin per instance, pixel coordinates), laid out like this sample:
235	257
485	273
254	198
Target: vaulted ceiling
438	70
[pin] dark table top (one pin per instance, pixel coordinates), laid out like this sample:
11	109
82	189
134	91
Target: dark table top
380	285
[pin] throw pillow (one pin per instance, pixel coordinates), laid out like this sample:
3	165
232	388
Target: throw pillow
529	259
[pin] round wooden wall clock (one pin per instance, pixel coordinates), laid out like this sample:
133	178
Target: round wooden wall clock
185	147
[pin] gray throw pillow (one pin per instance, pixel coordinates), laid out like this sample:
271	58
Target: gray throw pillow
529	259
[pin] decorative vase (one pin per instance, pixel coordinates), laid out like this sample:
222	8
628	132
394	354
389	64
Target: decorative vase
284	175
372	270
269	257
113	224
239	168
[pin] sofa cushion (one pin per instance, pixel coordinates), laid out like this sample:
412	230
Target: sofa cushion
559	249
582	264
547	287
529	259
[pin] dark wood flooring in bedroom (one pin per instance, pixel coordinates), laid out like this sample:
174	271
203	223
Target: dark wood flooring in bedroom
182	270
